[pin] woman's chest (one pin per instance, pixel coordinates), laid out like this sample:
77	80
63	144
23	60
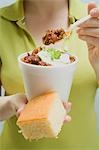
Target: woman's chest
37	26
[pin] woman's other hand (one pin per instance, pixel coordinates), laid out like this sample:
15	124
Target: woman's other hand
89	32
11	105
67	106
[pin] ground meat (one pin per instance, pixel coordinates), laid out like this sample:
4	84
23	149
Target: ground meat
41	63
33	58
53	36
36	50
72	59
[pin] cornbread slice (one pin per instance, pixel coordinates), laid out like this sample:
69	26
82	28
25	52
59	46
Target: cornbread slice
43	116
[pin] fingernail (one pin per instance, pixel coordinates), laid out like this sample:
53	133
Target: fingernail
67	119
93	11
20	109
70	104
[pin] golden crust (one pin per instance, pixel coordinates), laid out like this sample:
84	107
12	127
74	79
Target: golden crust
37	108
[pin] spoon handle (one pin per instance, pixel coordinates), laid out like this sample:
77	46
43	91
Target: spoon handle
77	23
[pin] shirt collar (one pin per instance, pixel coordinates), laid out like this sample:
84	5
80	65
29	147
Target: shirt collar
13	12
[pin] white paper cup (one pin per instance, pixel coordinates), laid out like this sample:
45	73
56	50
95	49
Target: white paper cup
41	79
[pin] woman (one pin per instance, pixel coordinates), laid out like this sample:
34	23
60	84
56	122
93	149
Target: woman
16	36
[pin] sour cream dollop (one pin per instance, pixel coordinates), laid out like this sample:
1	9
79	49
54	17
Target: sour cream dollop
46	57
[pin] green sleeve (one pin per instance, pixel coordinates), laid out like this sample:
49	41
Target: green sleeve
0	76
0	71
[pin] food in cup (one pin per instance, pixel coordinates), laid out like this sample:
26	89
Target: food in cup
56	75
52	36
44	56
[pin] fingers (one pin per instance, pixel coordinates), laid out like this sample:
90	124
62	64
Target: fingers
94	32
19	100
91	6
90	40
67	119
89	31
92	22
94	12
20	110
67	106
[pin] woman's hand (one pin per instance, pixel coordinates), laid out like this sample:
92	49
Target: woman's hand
14	104
19	101
67	106
89	32
11	105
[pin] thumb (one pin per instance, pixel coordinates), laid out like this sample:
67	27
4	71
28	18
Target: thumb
91	6
20	110
19	100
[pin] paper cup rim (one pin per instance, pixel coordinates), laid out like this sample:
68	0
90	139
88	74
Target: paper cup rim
46	67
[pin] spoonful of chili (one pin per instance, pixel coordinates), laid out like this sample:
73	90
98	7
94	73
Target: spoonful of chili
53	36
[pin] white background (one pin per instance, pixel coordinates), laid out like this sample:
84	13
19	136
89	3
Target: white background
4	3
86	1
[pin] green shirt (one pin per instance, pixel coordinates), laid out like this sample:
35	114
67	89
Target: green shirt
80	133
